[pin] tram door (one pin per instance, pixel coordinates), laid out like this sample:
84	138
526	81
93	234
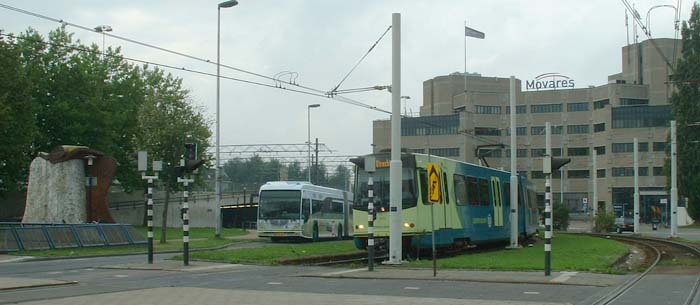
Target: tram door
497	202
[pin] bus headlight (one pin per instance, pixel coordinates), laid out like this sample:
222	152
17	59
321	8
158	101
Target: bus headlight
409	225
360	227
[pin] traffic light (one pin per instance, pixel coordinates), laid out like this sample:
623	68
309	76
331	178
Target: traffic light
191	163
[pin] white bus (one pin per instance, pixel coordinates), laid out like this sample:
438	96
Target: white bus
296	209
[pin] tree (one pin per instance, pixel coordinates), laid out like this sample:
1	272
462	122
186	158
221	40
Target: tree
340	178
686	110
166	121
15	115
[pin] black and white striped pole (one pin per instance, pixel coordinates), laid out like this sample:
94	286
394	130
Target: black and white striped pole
143	167
370	168
549	165
185	216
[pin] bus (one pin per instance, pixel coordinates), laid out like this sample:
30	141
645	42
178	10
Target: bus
301	210
473	208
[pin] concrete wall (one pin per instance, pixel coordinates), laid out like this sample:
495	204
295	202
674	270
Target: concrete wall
129	208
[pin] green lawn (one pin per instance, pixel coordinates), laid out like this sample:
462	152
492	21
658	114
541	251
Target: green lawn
569	252
272	255
199	238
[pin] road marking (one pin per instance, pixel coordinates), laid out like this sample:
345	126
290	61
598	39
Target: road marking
411	288
212	267
55	272
531	292
121	275
274	283
89	269
17	259
563	277
344	271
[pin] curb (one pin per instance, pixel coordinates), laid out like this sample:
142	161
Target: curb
40	285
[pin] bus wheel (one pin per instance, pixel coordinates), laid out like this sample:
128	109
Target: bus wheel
315	232
340	232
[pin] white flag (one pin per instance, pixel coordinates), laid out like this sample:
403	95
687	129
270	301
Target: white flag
469	32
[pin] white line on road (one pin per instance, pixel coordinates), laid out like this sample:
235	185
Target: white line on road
121	275
344	271
411	288
565	276
212	267
55	272
274	283
531	292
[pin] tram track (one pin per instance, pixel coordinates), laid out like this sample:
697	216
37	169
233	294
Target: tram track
664	250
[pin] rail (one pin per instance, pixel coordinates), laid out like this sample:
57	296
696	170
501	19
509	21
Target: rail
17	236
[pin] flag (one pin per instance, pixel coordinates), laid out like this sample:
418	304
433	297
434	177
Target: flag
469	32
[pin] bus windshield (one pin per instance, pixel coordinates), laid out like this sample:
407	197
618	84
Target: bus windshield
280	205
381	189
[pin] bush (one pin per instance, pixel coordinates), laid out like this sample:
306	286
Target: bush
561	217
604	222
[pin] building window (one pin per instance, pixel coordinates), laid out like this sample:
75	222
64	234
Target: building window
544	108
556	152
493	153
519	131
601	104
622	171
600	127
578	129
417	150
659	171
539	130
600	150
600	173
537	175
577	151
659	146
538	152
522	153
579	174
482	109
445	152
643	146
633	101
643	171
430	125
622	147
518	109
573	107
487	131
641	116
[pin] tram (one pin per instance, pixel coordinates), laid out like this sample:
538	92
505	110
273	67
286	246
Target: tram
473	209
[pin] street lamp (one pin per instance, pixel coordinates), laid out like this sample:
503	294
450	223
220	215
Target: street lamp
405	97
309	134
217	175
102	29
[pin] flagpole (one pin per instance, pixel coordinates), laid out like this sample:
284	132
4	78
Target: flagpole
465	61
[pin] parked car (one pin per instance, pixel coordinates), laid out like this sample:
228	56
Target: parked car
624	223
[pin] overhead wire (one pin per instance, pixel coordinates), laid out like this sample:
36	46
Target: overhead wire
152	46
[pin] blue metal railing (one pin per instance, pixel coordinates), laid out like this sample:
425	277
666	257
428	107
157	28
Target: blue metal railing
16	236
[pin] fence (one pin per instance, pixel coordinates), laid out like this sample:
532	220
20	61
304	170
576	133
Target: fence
15	236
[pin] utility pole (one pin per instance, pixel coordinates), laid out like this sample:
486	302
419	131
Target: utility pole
594	204
513	170
316	167
395	200
674	182
636	186
370	168
547	169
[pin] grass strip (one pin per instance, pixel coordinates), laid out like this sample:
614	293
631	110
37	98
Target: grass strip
274	254
570	252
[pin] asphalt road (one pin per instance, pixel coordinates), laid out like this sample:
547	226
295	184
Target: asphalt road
95	281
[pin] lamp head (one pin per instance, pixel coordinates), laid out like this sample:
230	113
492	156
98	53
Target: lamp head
314	105
227	4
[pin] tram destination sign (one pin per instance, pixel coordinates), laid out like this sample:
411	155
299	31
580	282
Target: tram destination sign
549	81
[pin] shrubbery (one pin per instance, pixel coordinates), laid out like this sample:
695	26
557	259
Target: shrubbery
604	222
561	217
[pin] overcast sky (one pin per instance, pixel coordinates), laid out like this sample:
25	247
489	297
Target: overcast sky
322	39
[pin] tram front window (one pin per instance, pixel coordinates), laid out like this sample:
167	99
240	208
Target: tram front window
380	179
280	205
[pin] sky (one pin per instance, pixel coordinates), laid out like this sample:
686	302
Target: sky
321	40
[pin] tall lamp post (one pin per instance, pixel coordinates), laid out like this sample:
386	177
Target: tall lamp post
217	175
102	29
308	117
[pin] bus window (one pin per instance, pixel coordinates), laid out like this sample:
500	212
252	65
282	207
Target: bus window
305	209
316	208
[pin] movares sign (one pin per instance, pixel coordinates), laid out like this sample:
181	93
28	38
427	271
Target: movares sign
549	81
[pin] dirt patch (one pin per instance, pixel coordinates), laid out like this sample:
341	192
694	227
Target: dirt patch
637	258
